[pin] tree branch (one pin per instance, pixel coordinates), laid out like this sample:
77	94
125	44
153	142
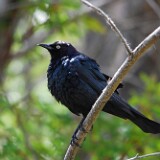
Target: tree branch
111	24
144	156
112	85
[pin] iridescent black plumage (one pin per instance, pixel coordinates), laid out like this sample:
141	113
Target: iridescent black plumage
76	81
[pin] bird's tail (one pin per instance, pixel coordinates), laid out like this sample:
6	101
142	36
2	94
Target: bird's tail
118	107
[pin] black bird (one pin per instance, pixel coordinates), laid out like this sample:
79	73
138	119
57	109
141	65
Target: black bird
76	81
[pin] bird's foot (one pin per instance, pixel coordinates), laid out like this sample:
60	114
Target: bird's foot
83	129
74	137
73	140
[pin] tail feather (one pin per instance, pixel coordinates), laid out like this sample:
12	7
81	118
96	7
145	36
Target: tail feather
118	107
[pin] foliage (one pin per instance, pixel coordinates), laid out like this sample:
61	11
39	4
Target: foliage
32	124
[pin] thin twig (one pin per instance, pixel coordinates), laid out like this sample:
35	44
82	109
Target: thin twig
109	89
111	24
144	156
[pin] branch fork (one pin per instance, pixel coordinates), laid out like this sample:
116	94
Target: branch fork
133	56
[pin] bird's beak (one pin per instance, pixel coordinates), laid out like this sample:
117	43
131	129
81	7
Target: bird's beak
47	46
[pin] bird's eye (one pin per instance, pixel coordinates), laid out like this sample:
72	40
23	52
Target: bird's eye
58	47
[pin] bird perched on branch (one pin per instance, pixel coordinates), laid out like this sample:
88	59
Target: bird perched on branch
76	81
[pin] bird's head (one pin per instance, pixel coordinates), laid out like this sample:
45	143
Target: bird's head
59	49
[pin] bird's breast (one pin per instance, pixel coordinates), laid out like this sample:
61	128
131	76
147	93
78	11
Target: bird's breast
62	80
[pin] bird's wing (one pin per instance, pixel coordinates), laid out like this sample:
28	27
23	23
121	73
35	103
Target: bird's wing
89	72
108	78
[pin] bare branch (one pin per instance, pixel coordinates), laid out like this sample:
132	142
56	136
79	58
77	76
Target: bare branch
144	156
84	10
109	89
111	24
112	85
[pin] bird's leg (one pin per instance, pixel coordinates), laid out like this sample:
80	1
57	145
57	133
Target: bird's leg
74	137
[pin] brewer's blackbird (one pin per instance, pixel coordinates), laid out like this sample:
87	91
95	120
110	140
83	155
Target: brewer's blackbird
76	81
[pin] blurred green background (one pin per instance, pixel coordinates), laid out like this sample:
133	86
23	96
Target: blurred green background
33	126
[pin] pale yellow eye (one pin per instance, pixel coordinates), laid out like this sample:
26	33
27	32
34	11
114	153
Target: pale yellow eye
58	46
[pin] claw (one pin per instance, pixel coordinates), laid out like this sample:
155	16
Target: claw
82	129
73	141
74	137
